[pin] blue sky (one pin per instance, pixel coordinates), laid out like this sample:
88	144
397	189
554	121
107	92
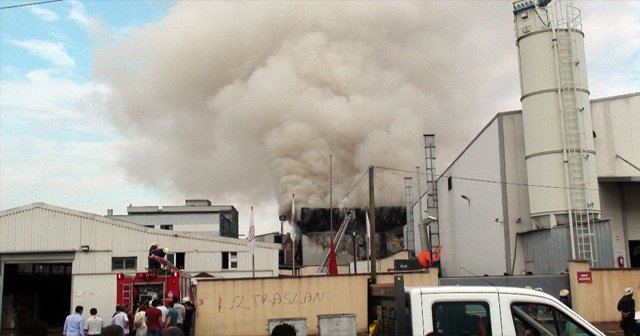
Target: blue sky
51	143
58	146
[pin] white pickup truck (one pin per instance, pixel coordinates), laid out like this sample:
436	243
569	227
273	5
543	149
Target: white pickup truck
476	310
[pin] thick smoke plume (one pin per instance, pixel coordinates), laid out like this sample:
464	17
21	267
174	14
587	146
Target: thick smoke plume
242	102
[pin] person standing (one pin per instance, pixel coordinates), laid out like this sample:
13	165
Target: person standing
140	321
74	323
564	298
94	323
154	319
189	316
172	317
179	307
163	309
121	319
627	309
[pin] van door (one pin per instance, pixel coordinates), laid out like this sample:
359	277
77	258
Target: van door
458	314
537	316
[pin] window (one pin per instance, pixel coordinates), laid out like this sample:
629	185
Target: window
123	263
449	183
229	260
539	319
25	269
462	318
44	269
177	259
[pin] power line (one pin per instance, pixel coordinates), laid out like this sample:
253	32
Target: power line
484	180
355	185
30	4
454	177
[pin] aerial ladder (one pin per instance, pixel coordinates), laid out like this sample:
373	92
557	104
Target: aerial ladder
337	240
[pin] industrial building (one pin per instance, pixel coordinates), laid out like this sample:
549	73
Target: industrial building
53	258
558	180
195	216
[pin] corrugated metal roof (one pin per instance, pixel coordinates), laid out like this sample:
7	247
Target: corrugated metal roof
40	227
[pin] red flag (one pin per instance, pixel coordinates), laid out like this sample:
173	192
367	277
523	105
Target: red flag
333	264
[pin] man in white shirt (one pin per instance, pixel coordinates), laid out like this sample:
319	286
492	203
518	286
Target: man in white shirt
121	319
163	309
178	307
94	324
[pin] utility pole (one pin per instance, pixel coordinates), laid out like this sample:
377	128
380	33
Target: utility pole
372	220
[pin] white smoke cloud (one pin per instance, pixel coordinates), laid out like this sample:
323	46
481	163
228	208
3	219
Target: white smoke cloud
244	101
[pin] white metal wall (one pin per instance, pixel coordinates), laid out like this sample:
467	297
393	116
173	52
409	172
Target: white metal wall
41	227
516	195
471	228
616	122
39	232
631	202
94	291
177	219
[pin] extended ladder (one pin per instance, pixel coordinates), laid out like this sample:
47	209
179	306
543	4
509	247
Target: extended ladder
337	240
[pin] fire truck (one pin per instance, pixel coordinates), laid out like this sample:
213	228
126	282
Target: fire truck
164	284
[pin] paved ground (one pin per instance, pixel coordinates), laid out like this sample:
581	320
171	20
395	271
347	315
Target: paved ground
609	328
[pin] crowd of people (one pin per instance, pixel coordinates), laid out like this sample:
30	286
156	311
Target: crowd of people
146	319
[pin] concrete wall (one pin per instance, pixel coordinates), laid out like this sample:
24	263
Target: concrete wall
243	306
597	301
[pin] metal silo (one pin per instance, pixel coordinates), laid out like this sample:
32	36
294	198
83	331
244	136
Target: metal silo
559	148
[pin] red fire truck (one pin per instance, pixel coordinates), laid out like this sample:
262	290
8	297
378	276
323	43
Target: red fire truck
161	284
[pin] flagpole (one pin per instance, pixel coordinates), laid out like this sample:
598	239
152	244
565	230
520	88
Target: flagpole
330	201
331	192
293	236
252	244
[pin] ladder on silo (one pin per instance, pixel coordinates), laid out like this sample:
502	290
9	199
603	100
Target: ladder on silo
574	142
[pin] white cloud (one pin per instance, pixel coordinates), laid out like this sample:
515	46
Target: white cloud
77	13
50	51
56	147
612	45
44	14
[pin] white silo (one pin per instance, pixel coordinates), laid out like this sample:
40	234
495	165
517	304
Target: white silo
559	148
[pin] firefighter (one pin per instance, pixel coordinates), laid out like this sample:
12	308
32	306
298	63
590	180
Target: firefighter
152	263
157	252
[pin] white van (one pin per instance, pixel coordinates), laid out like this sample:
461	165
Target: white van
480	310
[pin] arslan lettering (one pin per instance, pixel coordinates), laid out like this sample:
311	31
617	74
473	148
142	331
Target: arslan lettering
238	303
272	300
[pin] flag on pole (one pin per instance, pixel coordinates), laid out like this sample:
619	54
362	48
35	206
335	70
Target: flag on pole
292	221
368	235
333	264
251	238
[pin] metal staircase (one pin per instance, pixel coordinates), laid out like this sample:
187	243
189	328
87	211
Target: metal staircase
576	156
